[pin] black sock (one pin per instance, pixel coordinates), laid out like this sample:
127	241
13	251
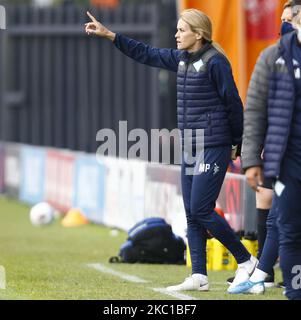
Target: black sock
262	215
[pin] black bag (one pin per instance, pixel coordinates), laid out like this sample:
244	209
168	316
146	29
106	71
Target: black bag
152	241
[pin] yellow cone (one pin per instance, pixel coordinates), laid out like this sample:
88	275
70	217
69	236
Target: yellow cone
74	218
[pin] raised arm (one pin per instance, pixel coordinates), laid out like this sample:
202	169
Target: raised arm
140	52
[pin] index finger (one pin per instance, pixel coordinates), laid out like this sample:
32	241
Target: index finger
91	17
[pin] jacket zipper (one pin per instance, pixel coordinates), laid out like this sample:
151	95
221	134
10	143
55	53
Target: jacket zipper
287	136
185	109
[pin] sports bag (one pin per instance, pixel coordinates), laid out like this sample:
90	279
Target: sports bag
152	241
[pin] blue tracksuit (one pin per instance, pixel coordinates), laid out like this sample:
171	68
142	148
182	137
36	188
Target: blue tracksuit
200	192
207	99
288	199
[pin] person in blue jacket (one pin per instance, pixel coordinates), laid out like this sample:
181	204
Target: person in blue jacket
273	124
209	105
264	193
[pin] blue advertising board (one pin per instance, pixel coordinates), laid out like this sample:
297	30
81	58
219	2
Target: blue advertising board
89	189
32	182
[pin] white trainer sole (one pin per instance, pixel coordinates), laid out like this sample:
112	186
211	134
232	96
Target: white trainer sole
204	287
269	284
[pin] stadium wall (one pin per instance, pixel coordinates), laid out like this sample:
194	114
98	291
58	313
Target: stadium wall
111	191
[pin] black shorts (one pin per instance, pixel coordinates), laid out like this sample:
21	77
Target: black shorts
268	183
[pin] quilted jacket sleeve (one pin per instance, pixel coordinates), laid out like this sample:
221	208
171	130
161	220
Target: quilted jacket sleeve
255	115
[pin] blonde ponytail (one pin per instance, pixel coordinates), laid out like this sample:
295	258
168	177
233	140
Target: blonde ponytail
219	48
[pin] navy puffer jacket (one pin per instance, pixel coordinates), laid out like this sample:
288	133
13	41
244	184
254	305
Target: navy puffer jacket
269	110
207	95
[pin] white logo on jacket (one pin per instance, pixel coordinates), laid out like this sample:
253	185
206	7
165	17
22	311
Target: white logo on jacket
198	65
296	64
280	61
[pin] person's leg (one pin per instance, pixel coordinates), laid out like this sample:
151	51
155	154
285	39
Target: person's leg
288	191
197	239
268	257
284	225
263	206
262	216
205	189
206	185
196	234
271	245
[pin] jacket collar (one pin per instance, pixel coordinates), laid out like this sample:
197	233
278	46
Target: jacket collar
285	49
195	56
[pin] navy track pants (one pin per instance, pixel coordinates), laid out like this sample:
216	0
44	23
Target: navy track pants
200	192
288	195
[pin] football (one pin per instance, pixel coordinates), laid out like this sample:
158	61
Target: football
41	214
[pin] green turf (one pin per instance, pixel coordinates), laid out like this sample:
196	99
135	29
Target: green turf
51	263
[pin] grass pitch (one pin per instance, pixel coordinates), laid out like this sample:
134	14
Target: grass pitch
51	263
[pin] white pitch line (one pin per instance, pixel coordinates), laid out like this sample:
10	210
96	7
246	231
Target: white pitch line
174	294
100	267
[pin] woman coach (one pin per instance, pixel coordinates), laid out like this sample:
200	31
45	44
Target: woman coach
207	99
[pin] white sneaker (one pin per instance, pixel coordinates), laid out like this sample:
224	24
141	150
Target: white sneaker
196	282
243	272
258	289
248	287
